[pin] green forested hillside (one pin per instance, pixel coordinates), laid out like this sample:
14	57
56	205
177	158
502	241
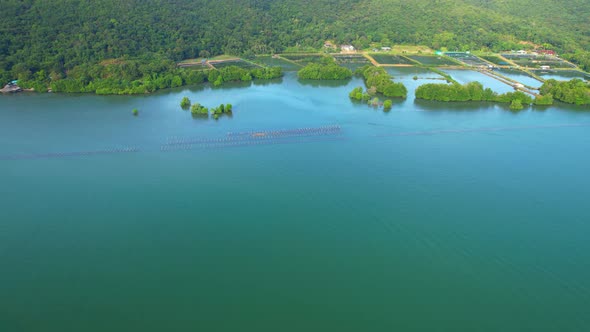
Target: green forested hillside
58	35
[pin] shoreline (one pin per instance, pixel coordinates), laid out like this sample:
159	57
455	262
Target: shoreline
431	61
489	71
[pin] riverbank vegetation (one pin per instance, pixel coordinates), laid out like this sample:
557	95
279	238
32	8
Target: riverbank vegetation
473	91
138	77
235	74
377	79
327	70
575	91
545	100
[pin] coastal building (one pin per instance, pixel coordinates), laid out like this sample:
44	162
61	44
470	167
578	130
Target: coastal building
521	52
346	48
386	48
547	52
545	67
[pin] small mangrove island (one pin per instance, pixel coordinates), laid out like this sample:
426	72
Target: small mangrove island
370	98
199	110
378	79
185	103
378	82
472	91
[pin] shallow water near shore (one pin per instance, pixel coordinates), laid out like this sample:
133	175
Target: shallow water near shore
429	217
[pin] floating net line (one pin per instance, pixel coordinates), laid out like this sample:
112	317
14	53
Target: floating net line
288	132
262	135
231	139
254	138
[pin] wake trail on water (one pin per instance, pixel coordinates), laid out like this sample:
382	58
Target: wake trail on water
70	154
480	130
266	137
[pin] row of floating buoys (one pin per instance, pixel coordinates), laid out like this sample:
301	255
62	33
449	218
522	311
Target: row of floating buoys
258	135
231	140
286	131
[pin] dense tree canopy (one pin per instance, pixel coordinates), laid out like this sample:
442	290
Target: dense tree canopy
318	71
473	91
573	92
377	79
135	77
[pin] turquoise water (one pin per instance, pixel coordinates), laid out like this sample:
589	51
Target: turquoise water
431	217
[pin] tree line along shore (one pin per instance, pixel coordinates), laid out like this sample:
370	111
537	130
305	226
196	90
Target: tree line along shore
116	78
151	72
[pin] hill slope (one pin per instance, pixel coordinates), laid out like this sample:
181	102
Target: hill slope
59	35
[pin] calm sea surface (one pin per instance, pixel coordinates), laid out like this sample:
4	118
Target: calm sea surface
430	217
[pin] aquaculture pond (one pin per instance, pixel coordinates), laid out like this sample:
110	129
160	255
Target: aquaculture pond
495	60
300	211
433	60
237	63
466	76
562	75
391	59
520	76
270	61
